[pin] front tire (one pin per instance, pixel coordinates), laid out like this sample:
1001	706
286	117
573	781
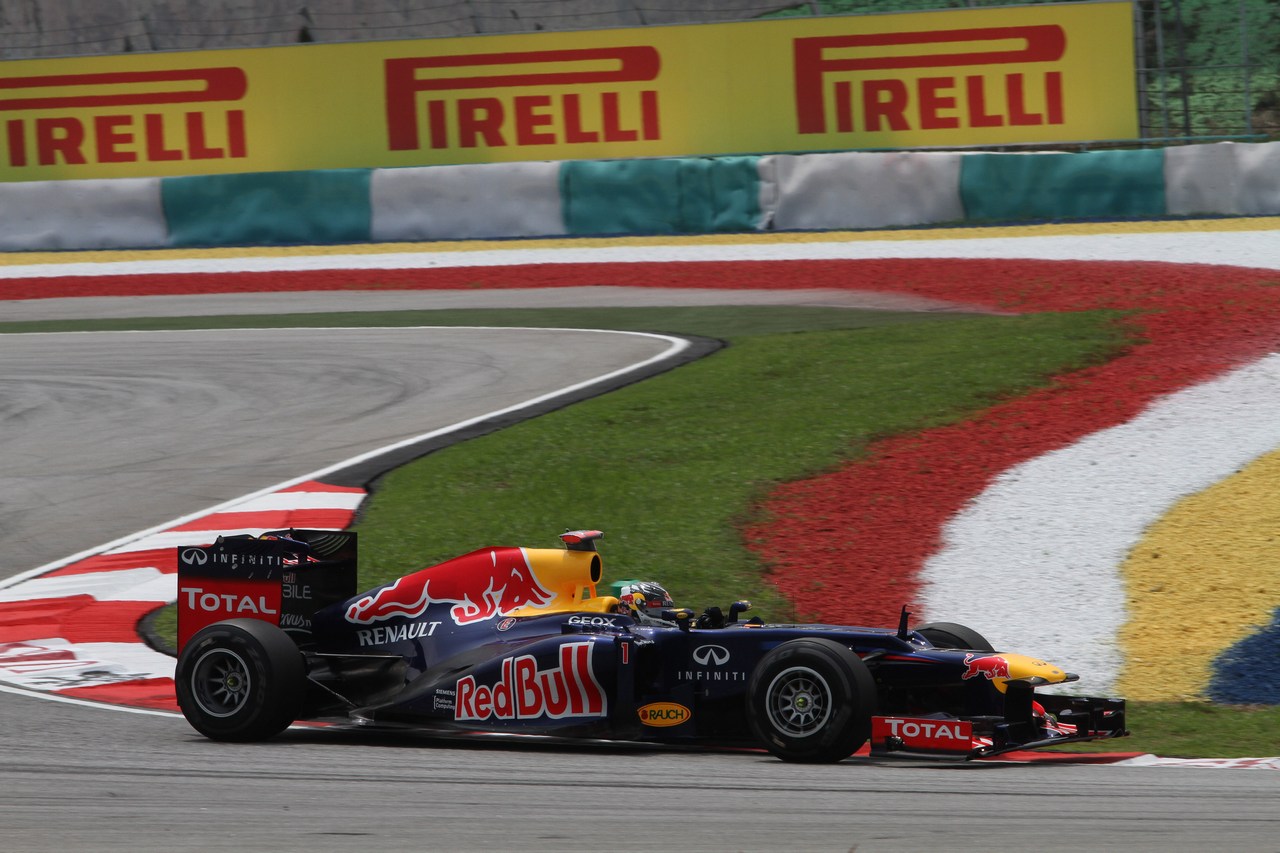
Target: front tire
811	700
952	635
240	680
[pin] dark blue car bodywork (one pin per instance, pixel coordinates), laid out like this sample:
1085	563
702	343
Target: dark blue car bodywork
529	647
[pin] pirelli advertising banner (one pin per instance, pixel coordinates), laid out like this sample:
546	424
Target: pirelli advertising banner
1045	73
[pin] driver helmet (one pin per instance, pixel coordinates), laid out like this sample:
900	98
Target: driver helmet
649	597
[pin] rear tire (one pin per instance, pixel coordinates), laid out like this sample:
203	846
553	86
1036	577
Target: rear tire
952	635
240	680
811	700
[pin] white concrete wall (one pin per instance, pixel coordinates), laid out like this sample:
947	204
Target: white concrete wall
100	214
1231	178
860	189
459	202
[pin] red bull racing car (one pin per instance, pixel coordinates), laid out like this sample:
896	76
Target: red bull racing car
518	640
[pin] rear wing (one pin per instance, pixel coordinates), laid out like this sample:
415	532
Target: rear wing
282	577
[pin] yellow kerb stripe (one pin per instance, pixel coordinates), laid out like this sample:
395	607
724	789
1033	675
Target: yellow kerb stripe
765	238
1205	576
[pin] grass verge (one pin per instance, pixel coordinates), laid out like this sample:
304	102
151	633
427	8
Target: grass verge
1195	730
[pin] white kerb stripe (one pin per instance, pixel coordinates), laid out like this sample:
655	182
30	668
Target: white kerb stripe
1034	561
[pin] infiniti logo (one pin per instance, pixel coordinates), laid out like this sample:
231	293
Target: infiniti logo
194	556
711	655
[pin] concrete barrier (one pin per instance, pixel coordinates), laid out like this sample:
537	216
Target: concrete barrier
691	195
125	213
861	190
1055	186
687	195
1223	178
461	202
267	208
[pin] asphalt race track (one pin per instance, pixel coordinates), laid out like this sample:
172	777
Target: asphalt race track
77	778
83	779
109	433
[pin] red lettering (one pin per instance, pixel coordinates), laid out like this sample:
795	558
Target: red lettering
528	120
237	140
649	114
555	693
196	146
1018	114
17	142
220	84
613	130
573	131
466	706
154	132
844	106
109	138
524	692
1053	97
503	703
438	124
528	698
59	136
812	60
480	117
977	98
484	702
632	64
891	107
932	101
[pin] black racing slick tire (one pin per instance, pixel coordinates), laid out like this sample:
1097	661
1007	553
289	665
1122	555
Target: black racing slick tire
951	635
240	680
811	700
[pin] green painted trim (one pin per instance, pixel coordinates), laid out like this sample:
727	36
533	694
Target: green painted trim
268	208
1028	187
695	195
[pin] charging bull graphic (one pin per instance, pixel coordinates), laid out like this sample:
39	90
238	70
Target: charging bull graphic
479	585
987	666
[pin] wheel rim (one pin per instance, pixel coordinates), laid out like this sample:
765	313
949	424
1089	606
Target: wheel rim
220	682
798	702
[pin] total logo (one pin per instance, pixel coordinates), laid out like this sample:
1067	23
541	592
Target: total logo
526	693
663	714
226	602
954	736
941	729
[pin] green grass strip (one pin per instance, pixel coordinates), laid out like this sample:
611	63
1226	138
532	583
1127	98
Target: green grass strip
1194	730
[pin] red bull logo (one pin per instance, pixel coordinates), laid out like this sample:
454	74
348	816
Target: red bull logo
479	585
987	666
526	693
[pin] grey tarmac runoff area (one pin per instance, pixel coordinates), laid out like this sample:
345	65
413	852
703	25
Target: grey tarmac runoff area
105	434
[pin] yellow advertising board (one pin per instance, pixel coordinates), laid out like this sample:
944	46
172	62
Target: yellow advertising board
994	76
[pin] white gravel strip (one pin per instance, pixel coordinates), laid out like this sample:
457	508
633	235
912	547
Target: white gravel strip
1259	249
144	583
1034	561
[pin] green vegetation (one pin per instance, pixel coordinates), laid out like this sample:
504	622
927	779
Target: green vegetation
1195	730
671	468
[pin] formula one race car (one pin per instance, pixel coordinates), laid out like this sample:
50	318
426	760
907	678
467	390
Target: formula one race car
517	640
